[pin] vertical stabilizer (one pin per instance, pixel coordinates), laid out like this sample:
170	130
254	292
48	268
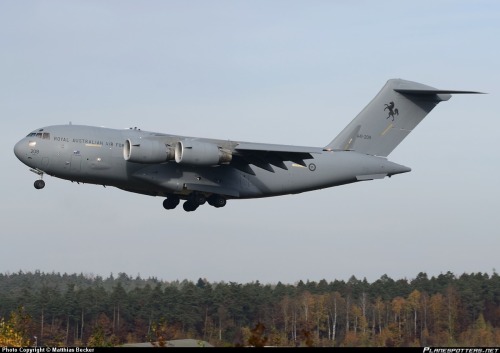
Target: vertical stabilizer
394	112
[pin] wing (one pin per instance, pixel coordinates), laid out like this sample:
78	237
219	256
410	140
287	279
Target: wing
266	156
197	150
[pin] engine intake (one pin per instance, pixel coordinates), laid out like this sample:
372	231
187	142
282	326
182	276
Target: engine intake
147	151
200	153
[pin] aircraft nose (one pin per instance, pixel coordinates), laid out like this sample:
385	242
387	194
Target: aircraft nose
19	149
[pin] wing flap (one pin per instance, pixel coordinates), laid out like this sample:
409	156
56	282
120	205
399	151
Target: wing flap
265	156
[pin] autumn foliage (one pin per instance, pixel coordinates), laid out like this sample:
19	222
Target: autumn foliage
56	309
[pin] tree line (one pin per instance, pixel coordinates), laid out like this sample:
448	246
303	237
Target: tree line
55	309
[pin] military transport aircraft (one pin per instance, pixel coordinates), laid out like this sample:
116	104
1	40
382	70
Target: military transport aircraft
201	170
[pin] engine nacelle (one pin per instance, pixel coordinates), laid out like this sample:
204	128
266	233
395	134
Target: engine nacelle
200	153
146	151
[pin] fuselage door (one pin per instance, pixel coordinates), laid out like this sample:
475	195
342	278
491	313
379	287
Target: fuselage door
76	162
44	163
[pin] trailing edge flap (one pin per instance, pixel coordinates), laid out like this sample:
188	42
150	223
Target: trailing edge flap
265	156
212	189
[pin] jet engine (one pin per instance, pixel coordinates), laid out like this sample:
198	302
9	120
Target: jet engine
147	151
200	153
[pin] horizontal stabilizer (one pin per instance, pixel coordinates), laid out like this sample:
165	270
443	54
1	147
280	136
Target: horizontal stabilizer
436	94
434	91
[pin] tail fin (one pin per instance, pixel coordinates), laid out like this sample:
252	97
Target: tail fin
394	112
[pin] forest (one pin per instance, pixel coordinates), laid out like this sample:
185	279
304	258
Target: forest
53	309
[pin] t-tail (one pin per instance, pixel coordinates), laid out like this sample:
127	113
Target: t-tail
394	112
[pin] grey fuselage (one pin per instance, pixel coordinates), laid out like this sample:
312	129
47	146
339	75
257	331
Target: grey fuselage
95	155
201	170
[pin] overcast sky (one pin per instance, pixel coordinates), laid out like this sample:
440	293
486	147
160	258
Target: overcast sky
287	72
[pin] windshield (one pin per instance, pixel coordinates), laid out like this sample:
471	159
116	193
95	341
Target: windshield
42	135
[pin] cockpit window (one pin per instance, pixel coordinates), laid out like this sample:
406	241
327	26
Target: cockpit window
42	135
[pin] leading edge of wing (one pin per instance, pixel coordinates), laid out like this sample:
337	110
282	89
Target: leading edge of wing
265	156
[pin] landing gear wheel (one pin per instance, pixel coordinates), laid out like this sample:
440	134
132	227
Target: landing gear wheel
189	206
39	184
217	201
197	199
171	202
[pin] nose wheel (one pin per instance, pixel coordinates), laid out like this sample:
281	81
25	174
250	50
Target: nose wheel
39	184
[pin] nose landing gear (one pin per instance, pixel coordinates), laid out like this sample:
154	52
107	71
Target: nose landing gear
39	184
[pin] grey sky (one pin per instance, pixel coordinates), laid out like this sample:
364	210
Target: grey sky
289	72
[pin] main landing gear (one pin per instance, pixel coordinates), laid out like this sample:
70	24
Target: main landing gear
194	201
